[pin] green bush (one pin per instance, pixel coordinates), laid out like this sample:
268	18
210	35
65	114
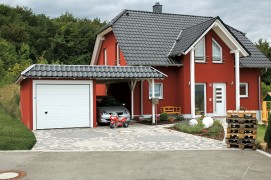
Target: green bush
214	130
179	117
267	136
163	117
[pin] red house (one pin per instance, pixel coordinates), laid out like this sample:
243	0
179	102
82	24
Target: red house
211	66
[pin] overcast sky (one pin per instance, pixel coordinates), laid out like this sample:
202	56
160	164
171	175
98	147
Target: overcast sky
250	16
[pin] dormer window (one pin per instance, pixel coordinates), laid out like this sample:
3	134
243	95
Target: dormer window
200	51
216	52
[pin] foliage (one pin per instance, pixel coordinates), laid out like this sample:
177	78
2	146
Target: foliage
27	38
186	128
265	89
267	136
163	117
179	117
9	100
261	128
199	129
13	134
265	48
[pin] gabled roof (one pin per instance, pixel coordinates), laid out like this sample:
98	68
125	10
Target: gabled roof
188	36
90	72
147	38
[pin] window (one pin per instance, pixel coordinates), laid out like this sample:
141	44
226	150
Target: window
200	99
105	57
216	52
117	54
243	89
200	51
158	90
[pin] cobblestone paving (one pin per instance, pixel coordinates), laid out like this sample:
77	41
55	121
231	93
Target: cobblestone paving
136	137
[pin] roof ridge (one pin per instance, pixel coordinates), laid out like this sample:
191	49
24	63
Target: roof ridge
214	18
150	12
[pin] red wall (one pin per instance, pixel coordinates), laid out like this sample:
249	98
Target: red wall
250	76
110	44
26	103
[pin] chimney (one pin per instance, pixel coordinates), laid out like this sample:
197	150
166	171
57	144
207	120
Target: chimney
157	8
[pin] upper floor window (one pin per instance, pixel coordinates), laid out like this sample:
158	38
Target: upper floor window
105	57
243	89
216	52
158	91
117	54
200	51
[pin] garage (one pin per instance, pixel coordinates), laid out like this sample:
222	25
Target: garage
64	96
62	105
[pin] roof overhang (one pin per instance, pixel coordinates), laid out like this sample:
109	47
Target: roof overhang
98	45
83	72
225	35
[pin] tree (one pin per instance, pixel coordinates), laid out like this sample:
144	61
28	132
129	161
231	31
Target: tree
267	136
265	48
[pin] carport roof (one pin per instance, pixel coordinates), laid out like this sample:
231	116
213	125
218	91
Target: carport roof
90	72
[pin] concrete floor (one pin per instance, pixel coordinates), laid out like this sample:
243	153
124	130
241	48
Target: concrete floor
185	164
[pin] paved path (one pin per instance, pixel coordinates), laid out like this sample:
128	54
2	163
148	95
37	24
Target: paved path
136	137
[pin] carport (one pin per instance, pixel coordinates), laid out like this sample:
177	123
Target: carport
68	91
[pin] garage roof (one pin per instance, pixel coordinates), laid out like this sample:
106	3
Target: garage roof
90	72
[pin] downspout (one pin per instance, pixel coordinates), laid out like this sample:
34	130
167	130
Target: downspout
192	81
260	100
141	97
153	105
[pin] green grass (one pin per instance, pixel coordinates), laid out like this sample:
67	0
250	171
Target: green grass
13	134
261	128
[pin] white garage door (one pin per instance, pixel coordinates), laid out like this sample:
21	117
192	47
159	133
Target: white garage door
62	105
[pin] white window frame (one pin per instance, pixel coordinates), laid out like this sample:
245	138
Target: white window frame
220	58
200	59
246	86
105	57
205	96
161	91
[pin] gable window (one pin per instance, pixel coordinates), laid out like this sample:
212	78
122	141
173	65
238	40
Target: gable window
243	89
158	91
216	52
200	51
105	57
117	54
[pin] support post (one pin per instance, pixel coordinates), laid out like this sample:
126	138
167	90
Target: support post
132	87
153	105
237	79
192	81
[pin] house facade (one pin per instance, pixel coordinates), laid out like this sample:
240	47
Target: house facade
211	67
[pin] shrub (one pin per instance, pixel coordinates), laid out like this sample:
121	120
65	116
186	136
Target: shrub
267	136
215	129
179	117
163	117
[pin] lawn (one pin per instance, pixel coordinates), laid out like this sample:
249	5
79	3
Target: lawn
13	134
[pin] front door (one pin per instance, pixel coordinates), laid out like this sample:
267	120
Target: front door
219	99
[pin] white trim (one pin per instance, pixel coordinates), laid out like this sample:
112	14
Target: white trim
204	84
87	82
246	85
218	24
192	82
153	105
220	60
204	52
237	78
118	54
98	45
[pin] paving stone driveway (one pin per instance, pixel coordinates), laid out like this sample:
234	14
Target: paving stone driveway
136	137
